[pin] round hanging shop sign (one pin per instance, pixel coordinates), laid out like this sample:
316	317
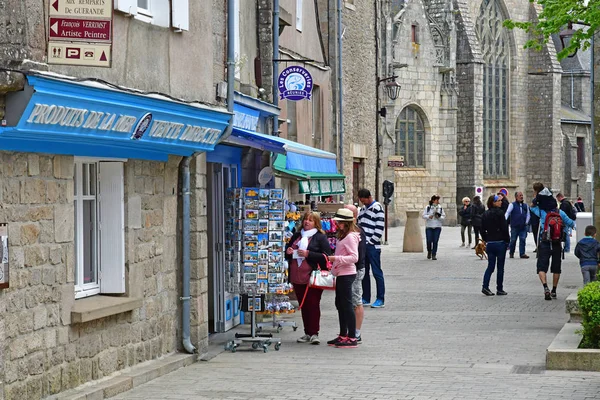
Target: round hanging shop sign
295	83
142	126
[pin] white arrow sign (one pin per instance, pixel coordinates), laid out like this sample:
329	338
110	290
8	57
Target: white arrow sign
54	27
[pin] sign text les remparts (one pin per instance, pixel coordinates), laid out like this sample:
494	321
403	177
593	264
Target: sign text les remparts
295	83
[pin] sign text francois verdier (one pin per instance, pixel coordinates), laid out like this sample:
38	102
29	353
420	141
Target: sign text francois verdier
295	83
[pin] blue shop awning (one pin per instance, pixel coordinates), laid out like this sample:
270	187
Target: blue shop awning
59	115
299	157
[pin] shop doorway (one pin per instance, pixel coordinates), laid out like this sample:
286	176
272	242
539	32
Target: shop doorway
358	178
223	306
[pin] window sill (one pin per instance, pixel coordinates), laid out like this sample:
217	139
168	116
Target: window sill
96	307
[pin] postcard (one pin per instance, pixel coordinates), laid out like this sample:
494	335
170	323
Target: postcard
250	256
263	255
276	204
251	204
263	241
275	256
276	246
262	272
275	236
250	224
275	278
262	286
263	211
276	266
250	236
250	278
263	226
276	215
263	194
250	246
276	225
250	268
251	193
277	194
251	214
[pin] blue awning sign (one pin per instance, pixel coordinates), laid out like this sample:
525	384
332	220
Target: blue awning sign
91	119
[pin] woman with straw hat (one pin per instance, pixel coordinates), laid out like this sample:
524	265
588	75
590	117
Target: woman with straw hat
344	270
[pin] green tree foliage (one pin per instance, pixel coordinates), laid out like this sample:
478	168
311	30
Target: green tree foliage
555	17
588	300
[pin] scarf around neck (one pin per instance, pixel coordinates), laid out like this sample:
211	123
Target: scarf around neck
303	245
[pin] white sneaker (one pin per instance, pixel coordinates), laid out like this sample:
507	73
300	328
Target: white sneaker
304	339
314	339
462	245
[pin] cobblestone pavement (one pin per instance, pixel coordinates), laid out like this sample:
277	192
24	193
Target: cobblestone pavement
437	338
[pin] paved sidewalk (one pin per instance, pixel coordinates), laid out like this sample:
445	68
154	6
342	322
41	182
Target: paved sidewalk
437	338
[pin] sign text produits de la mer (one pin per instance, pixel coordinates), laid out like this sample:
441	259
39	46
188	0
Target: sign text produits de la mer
45	114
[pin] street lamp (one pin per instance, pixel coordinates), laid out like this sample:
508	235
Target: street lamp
565	37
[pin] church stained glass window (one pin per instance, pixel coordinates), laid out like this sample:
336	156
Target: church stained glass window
410	138
493	38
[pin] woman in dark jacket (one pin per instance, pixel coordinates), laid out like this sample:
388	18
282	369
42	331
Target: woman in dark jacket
477	209
465	221
494	231
305	252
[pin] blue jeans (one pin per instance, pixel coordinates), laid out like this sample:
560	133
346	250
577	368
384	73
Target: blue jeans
521	233
496	252
568	240
433	237
373	261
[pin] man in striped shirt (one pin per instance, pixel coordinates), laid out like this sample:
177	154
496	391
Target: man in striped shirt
371	219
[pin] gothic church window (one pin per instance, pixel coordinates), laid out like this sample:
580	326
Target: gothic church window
493	38
410	138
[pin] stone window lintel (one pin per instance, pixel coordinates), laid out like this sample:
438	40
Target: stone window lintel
96	307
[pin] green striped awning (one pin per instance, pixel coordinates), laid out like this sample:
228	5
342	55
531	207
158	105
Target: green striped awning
315	183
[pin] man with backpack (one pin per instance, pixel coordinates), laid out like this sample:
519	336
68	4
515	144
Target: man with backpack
565	205
553	229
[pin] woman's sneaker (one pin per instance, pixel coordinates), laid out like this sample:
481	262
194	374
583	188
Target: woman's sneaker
314	339
304	339
335	341
348	343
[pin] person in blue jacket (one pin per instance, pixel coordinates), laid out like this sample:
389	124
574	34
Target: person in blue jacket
550	250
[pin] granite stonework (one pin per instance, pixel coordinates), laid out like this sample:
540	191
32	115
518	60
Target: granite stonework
443	82
44	352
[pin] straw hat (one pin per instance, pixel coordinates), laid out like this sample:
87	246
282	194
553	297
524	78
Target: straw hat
343	214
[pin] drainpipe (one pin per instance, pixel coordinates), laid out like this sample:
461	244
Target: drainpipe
275	63
341	88
593	129
185	192
230	65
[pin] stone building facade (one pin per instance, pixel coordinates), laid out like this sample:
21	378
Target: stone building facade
486	113
53	341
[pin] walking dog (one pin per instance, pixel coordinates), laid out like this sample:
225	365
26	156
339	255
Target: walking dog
480	249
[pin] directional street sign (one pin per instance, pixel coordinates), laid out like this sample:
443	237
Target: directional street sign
82	8
80	32
80	29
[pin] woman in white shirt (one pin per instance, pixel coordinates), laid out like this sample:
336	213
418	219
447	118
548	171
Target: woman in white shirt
434	215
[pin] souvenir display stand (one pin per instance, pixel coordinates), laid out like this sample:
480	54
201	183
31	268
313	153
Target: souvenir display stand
255	231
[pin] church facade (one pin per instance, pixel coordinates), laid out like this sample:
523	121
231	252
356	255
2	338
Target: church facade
476	110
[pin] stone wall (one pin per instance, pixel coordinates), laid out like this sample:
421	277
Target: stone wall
43	352
359	80
423	90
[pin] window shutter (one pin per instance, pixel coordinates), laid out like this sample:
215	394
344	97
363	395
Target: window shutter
127	6
112	228
181	14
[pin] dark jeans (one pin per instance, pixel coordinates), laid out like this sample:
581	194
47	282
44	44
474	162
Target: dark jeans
496	252
521	233
477	230
546	250
373	261
343	303
311	310
433	236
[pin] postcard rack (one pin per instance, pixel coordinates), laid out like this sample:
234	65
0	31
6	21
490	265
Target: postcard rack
256	226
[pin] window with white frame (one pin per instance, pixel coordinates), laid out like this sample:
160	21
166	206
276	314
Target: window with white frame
144	7
299	15
99	227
